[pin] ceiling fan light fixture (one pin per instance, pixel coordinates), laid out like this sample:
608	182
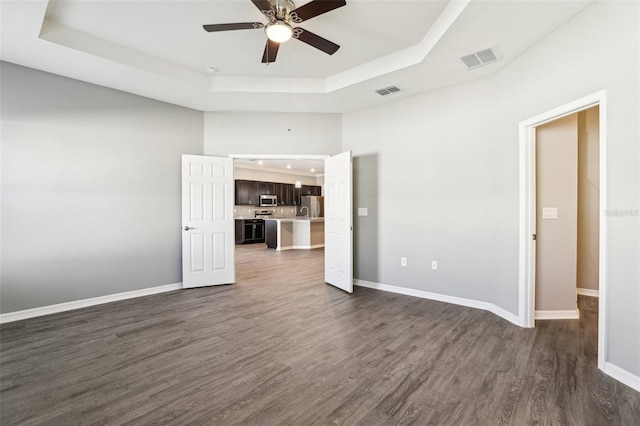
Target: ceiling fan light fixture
278	31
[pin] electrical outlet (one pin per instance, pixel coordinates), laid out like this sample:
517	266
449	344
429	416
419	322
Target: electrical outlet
403	261
434	264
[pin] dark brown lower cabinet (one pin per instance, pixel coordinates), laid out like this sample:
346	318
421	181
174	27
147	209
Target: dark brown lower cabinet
271	235
249	231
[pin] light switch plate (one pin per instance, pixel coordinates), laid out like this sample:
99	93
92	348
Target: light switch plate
363	211
549	212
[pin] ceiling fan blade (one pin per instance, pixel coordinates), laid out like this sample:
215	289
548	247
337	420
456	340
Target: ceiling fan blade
229	27
270	52
315	8
264	6
316	41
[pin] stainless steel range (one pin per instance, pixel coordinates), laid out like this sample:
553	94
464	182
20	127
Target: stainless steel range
264	214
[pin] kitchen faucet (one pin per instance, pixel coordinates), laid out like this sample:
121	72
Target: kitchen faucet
305	207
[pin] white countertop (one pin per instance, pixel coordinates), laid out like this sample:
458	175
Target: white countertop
285	219
298	219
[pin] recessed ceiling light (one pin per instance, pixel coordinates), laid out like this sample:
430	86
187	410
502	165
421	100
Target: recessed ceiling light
211	70
288	166
313	170
261	162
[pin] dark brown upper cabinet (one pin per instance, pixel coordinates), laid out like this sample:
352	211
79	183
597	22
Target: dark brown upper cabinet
247	192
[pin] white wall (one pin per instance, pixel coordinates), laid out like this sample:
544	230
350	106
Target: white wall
268	176
452	156
267	133
90	189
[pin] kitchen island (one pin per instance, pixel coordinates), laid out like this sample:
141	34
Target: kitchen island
295	233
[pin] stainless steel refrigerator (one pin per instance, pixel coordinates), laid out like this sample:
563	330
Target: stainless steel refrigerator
314	206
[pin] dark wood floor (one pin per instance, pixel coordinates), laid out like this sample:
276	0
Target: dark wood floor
280	347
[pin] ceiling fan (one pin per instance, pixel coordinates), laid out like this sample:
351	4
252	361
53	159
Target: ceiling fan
282	14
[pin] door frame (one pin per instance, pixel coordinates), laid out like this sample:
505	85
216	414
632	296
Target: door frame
291	157
527	208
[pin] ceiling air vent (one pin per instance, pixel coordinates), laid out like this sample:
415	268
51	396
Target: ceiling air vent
479	58
388	90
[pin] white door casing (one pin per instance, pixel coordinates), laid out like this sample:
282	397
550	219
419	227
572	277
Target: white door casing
207	221
527	249
338	229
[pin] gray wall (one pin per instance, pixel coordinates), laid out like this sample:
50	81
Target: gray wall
451	156
268	133
90	189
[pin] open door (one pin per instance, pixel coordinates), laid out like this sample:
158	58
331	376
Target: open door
338	229
207	219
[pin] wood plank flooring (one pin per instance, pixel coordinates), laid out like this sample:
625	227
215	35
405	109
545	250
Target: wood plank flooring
280	347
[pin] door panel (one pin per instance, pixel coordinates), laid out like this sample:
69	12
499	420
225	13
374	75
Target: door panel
338	221
196	204
219	252
208	224
197	252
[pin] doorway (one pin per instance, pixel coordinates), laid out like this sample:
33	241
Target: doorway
567	214
529	211
208	242
300	173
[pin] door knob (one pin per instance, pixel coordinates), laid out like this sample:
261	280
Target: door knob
186	228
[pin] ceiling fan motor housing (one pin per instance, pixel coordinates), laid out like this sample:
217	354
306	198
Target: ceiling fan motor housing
282	10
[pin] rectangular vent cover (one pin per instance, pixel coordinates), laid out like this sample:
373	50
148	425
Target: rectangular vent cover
479	58
388	90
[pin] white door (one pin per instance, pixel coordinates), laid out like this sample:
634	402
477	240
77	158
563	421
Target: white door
338	206
207	221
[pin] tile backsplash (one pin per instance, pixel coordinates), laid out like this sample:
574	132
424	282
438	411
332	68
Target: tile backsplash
247	212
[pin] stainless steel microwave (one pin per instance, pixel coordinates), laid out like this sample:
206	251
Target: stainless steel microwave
268	201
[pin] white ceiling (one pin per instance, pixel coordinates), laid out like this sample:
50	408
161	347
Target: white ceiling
158	49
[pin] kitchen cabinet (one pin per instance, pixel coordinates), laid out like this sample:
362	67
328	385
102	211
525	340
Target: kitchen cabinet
271	233
267	188
284	191
247	192
311	190
249	231
306	190
296	196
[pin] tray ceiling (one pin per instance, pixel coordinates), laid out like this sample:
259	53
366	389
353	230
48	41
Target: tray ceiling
158	49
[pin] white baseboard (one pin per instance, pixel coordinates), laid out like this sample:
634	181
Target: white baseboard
308	247
496	310
300	247
77	304
622	375
588	292
552	315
